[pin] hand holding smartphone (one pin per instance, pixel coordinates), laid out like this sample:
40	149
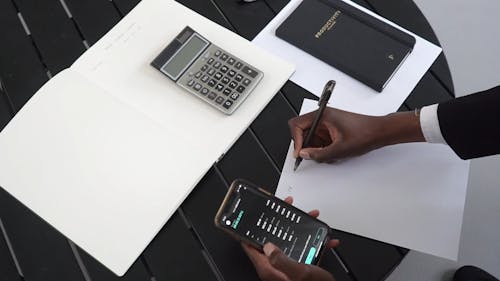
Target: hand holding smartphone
251	214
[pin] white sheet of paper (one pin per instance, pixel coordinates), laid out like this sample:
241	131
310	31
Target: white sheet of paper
107	150
410	195
350	94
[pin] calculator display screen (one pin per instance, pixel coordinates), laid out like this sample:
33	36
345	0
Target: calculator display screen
262	218
183	58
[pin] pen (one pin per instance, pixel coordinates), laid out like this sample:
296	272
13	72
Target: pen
323	101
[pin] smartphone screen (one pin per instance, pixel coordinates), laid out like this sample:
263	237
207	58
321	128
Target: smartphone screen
258	218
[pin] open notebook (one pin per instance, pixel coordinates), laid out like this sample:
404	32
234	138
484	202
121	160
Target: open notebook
108	149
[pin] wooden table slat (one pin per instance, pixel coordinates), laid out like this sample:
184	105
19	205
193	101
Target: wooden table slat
93	17
208	9
271	128
200	209
21	71
42	252
367	259
125	6
428	91
5	111
403	107
247	160
331	263
8	269
277	5
97	272
174	254
248	19
296	94
54	33
441	71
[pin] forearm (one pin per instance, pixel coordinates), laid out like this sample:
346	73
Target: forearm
400	127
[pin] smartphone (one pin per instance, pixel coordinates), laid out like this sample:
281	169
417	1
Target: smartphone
253	215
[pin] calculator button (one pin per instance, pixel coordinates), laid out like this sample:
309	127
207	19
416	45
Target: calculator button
225	80
211	71
224	69
198	74
205	67
211	83
230	61
197	87
227	91
235	96
227	104
224	57
219	87
217	53
240	89
217	65
212	95
250	72
238	78
190	83
238	65
204	91
231	73
233	84
205	78
247	82
219	100
218	76
210	61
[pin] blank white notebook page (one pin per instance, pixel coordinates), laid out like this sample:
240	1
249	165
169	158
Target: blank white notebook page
92	167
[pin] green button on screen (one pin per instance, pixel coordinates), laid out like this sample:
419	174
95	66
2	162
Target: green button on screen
310	256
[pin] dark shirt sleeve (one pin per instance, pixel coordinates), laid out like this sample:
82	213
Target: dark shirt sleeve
471	124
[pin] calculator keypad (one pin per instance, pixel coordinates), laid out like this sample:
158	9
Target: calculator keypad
221	79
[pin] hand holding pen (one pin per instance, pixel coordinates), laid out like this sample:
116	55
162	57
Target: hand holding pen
323	101
341	134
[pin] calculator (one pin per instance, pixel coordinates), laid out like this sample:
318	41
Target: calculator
207	71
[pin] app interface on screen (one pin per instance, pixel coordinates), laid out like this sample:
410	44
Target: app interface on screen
262	219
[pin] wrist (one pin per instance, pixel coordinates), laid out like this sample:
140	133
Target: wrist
400	127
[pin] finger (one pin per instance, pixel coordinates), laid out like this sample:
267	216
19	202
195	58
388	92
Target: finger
321	154
256	257
261	263
314	213
298	140
289	267
298	128
289	200
334	243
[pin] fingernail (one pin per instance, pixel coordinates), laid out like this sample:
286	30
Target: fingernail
305	155
269	249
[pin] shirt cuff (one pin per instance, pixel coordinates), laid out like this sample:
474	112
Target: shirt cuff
429	123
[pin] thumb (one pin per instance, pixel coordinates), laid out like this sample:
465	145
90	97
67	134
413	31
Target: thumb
291	268
319	154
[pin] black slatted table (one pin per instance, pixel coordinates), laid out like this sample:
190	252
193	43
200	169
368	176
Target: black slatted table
40	38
